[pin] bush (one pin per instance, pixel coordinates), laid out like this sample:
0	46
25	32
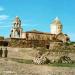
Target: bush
1	38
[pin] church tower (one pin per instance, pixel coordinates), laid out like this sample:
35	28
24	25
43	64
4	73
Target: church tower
16	31
56	26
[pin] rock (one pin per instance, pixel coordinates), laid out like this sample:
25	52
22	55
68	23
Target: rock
64	59
41	60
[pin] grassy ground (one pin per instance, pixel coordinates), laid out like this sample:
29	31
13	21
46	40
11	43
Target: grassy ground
62	65
27	61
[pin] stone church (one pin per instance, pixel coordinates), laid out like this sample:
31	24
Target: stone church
56	33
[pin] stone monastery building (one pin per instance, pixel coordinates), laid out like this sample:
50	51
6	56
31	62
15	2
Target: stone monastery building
56	33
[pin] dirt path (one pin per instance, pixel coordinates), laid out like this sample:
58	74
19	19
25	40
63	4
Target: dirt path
8	67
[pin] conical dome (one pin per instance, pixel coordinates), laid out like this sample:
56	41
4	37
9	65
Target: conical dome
56	21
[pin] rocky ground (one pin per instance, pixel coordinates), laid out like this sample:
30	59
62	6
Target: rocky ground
12	66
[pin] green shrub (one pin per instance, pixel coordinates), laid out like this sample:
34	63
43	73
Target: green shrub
1	38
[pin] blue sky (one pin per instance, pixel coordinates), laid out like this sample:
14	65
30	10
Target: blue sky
37	14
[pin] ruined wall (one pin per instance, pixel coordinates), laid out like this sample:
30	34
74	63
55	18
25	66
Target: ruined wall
27	43
55	55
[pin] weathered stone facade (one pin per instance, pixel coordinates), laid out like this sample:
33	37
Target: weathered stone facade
28	43
35	37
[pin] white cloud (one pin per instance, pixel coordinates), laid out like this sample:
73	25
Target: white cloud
4	26
1	9
3	17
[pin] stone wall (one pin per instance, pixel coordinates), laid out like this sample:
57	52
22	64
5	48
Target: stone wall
35	35
27	43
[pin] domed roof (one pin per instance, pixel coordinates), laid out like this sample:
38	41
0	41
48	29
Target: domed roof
56	21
